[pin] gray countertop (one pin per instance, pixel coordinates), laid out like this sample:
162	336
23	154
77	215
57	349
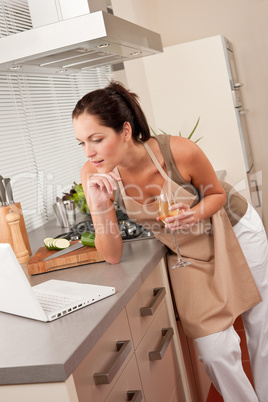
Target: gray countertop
33	351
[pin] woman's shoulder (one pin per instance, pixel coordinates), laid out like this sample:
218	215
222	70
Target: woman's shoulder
183	149
169	140
182	141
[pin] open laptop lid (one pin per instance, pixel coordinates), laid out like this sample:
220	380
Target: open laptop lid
16	295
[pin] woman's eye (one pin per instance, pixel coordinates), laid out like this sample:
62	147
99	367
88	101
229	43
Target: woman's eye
97	141
81	143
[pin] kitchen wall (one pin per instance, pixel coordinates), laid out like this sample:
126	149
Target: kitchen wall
244	23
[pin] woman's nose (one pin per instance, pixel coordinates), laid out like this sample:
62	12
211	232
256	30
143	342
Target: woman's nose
89	151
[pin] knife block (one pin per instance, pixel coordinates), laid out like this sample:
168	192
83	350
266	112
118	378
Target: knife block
5	233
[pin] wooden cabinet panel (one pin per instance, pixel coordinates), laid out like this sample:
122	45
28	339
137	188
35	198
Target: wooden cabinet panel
143	298
159	377
202	380
184	341
178	394
99	360
197	377
129	380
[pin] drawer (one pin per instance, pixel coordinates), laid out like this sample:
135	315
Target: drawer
105	354
159	377
128	381
145	304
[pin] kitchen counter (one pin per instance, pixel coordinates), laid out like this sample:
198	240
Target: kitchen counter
37	352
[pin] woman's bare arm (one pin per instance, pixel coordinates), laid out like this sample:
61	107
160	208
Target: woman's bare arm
195	168
98	189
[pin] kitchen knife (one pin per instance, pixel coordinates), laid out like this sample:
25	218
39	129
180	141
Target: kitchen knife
3	192
67	250
9	193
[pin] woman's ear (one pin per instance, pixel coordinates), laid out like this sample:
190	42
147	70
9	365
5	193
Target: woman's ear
127	131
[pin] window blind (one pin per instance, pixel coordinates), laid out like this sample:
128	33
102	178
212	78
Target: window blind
14	17
38	147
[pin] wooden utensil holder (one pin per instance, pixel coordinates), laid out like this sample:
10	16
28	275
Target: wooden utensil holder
5	231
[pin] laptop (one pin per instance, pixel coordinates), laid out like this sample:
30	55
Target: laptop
47	301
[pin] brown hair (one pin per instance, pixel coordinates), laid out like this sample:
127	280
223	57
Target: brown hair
113	106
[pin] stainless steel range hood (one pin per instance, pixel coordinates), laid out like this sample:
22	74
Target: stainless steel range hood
76	44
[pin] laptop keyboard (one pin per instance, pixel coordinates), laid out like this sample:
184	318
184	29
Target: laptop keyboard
51	302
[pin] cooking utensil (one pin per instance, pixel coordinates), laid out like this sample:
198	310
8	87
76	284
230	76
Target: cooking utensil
65	251
3	192
69	206
61	214
9	193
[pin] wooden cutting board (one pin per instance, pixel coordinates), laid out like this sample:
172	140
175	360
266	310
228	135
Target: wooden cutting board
82	256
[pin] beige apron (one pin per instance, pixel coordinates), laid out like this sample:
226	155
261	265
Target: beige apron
218	285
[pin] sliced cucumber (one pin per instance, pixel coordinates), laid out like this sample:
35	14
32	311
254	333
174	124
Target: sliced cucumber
50	245
56	244
47	240
61	244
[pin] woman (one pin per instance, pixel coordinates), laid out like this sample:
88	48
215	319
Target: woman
126	164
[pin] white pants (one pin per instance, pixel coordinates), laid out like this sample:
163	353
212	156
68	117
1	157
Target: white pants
221	352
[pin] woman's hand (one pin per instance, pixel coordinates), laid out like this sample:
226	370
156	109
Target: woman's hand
101	187
184	219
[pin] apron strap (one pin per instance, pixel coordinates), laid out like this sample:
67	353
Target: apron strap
157	164
120	184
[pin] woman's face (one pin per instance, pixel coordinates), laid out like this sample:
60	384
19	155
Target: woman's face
102	145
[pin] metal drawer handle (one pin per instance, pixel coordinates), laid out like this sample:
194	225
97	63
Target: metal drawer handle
123	348
134	396
159	294
167	334
257	192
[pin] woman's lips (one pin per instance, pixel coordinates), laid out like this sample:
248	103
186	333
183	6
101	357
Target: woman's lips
97	163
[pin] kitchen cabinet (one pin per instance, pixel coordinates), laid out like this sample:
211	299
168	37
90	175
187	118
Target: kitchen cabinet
149	365
199	381
104	363
137	356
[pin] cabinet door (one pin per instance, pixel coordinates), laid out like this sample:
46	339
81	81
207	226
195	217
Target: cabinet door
144	305
178	394
106	360
128	387
159	377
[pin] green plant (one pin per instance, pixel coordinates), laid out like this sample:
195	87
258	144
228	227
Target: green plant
189	136
77	194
